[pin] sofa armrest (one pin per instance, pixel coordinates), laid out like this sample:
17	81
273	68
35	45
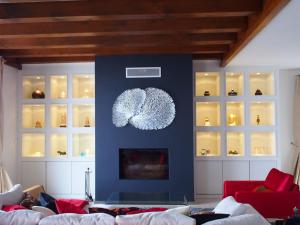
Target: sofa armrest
231	187
271	204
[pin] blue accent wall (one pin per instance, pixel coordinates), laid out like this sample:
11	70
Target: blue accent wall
176	80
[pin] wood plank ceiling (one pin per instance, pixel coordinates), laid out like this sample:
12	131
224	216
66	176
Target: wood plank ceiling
69	31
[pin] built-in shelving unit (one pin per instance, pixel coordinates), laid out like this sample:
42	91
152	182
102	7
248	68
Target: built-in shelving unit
235	125
60	123
228	117
56	127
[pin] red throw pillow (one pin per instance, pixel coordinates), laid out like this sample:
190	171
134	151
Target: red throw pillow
8	208
71	206
261	188
279	181
146	210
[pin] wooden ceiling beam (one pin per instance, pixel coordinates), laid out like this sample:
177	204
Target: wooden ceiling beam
55	59
123	41
16	53
124	9
256	24
126	27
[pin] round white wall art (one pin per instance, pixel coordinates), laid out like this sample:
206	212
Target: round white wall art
149	109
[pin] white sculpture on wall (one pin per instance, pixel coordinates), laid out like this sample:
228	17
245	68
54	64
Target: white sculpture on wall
149	109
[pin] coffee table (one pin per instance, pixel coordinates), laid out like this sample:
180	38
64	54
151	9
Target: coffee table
142	198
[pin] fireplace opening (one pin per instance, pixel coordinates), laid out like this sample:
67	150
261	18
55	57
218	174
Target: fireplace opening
144	163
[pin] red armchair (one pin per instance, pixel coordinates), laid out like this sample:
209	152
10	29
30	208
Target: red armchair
273	198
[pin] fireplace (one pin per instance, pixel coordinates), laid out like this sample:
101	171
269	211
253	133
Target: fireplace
144	164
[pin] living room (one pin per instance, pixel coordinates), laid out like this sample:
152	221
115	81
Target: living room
156	105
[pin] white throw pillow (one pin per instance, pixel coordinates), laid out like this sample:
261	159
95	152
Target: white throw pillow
20	217
77	219
247	219
155	218
230	206
13	196
184	210
45	211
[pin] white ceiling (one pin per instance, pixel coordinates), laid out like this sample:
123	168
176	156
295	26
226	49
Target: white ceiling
278	44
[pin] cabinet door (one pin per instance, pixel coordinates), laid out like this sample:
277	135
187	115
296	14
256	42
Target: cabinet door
33	173
259	169
59	178
236	170
208	177
78	177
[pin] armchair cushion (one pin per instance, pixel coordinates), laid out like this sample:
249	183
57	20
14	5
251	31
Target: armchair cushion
279	181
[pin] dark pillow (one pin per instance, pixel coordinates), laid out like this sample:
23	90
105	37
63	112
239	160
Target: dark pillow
203	218
47	201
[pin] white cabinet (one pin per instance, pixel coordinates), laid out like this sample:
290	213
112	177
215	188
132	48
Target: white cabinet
58	178
259	169
236	170
208	177
33	173
78	177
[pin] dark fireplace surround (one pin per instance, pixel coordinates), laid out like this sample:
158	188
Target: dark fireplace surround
171	147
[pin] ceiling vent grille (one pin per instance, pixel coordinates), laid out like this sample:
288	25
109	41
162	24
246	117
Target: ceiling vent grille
143	72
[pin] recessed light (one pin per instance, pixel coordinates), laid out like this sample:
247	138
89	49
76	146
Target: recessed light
206	74
258	73
38	78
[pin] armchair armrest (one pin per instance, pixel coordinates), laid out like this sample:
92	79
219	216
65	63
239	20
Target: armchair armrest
271	204
231	187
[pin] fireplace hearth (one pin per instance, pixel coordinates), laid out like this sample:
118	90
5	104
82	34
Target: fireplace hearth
144	164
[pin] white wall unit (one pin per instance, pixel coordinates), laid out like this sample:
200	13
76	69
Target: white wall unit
78	175
259	168
65	111
33	173
58	178
246	149
208	178
236	170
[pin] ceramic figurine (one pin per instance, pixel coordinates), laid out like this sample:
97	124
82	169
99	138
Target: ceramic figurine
258	92
233	152
232	119
206	93
38	94
63	120
232	93
87	122
206	122
38	124
61	153
257	119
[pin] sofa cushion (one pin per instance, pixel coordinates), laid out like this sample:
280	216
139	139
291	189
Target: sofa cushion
184	210
279	181
261	188
47	201
20	217
75	219
13	196
70	206
155	218
229	206
45	211
247	219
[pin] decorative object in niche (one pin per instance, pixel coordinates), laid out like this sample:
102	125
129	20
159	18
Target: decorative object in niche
258	92
257	119
87	122
63	120
38	124
206	93
206	122
149	109
38	94
232	93
232	119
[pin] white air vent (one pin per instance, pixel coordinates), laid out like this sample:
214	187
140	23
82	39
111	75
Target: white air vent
143	72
